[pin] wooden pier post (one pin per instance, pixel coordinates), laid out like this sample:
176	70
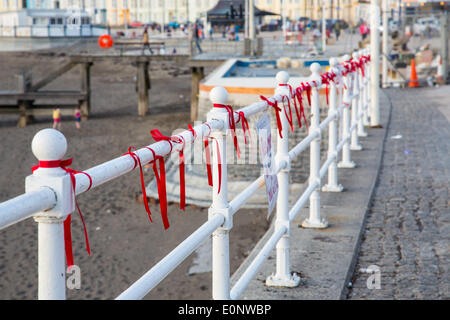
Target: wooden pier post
86	89
198	74
143	85
24	84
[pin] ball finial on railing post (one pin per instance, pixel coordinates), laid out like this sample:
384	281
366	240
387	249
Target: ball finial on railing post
282	77
315	76
346	58
355	55
218	95
49	145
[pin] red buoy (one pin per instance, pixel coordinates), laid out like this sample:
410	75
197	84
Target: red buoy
105	41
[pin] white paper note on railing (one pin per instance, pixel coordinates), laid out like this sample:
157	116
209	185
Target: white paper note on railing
267	159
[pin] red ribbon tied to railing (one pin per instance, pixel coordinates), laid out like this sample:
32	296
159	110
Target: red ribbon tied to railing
361	65
307	88
161	178
348	68
293	94
298	94
245	126
232	125
67	223
208	160
277	113
327	77
137	162
326	82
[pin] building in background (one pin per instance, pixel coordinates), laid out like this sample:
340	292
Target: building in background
127	12
119	12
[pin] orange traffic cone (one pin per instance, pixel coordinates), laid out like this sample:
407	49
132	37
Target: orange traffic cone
413	82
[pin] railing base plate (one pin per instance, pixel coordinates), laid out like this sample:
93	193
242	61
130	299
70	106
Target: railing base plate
274	281
362	134
346	165
315	225
331	188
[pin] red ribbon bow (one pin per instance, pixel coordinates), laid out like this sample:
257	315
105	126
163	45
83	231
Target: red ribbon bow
348	69
302	109
326	82
232	125
67	223
326	79
245	126
208	160
293	96
307	88
361	65
161	178
277	110
137	162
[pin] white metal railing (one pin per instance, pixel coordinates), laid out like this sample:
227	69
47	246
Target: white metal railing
49	196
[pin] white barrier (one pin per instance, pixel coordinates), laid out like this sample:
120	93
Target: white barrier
50	191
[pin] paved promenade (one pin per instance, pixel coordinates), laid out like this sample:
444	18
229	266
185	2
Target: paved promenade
407	230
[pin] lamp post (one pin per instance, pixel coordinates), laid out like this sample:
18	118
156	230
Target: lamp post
251	26
324	28
283	14
384	66
375	63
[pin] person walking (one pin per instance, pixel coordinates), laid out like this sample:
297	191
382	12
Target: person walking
337	30
77	117
363	30
197	36
57	119
316	36
145	40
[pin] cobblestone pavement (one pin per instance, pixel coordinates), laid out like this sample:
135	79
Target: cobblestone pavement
407	229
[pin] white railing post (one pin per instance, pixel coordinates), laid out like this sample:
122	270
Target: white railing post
51	145
354	144
283	276
375	63
220	237
314	220
366	91
333	185
361	104
346	100
340	87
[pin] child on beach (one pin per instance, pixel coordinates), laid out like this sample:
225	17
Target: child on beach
57	118
77	117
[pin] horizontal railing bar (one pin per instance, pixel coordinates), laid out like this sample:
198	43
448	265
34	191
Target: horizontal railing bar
339	109
301	202
302	145
248	192
342	143
256	264
325	166
155	275
26	205
327	120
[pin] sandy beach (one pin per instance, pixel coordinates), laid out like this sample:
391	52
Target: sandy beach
124	243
